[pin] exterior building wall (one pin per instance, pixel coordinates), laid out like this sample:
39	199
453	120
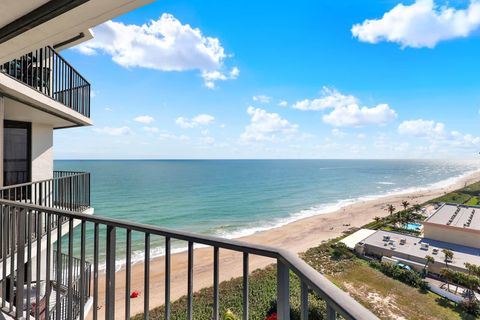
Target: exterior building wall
463	237
42	152
435	268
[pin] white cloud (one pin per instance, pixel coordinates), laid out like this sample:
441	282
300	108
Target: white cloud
283	103
421	24
355	116
169	136
266	126
164	44
203	119
108	109
262	98
330	98
144	119
151	129
199	120
344	110
436	132
112	131
210	77
422	128
338	133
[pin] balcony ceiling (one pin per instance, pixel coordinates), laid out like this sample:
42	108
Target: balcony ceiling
59	28
17	9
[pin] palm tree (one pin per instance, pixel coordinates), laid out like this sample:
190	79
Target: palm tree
429	261
391	209
470	267
405	204
417	207
448	256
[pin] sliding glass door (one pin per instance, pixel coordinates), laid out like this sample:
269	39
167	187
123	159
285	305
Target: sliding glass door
17	156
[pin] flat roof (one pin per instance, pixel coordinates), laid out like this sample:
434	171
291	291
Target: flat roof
456	215
413	247
356	237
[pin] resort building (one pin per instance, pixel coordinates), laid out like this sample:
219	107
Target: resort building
48	271
411	251
459	224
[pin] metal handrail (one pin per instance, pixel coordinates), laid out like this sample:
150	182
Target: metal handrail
66	190
50	74
338	302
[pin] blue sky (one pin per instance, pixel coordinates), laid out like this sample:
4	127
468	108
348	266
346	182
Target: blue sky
278	79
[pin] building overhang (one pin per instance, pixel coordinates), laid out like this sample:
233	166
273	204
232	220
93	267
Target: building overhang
29	25
34	106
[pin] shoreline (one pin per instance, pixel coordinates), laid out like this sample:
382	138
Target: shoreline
296	236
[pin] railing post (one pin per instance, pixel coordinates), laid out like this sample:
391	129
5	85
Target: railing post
331	313
21	223
110	274
283	291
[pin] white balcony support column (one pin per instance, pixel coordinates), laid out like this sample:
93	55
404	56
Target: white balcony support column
2	117
283	291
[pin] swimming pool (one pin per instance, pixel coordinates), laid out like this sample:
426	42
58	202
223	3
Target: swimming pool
412	226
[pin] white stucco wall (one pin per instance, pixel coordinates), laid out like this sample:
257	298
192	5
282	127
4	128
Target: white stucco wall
42	152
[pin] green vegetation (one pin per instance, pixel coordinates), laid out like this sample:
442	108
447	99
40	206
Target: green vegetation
410	277
262	295
468	195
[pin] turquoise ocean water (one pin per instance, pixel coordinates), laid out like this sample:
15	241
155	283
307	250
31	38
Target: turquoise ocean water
232	198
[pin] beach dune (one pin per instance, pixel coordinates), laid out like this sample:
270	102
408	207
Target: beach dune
297	237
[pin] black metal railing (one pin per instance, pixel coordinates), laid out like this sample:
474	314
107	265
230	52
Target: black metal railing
67	190
77	296
107	233
46	71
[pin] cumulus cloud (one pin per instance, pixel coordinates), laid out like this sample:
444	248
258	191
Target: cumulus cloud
338	133
355	116
210	77
151	129
262	98
345	111
170	136
164	44
114	131
199	120
421	24
436	131
283	103
422	128
265	126
144	119
330	98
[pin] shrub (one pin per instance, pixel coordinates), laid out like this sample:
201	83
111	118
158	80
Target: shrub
410	277
471	306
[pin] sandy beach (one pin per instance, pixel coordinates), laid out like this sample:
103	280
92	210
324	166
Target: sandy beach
297	237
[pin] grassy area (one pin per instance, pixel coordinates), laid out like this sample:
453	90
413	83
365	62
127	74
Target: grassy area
386	297
262	299
468	195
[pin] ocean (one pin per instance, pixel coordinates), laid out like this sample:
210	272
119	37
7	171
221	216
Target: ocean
234	198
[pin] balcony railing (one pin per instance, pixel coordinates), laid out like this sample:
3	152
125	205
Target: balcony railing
47	72
62	287
107	233
67	190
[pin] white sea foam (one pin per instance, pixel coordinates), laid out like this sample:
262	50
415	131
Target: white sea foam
332	207
139	256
